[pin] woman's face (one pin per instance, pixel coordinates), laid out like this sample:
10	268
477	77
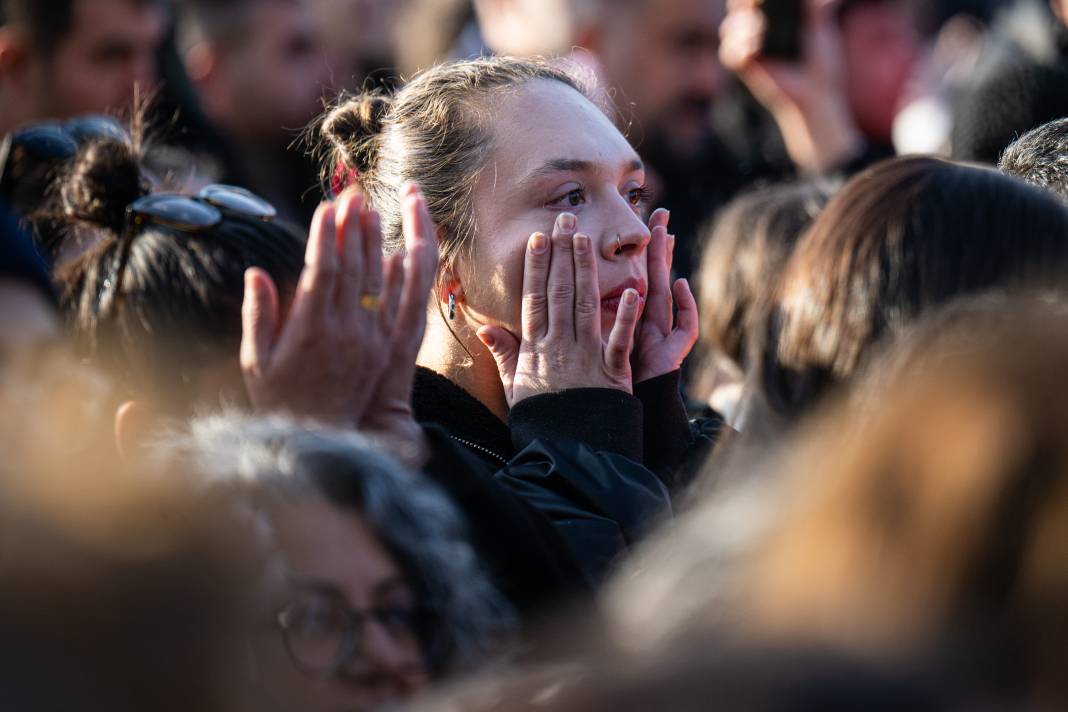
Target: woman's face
338	567
554	152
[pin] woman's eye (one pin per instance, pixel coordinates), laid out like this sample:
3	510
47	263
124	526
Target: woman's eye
571	199
638	197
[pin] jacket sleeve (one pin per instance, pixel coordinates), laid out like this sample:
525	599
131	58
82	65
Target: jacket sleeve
579	465
675	447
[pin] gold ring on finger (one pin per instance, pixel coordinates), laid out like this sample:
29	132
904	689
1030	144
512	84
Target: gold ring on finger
371	303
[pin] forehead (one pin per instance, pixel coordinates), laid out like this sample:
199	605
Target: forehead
546	120
102	18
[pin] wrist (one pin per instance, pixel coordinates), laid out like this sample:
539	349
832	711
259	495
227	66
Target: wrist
819	134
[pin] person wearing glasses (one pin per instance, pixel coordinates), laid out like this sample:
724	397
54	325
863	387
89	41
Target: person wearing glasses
378	592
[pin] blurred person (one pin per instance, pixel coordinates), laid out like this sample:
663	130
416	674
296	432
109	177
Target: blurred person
1040	157
447	30
362	37
742	258
63	58
381	593
919	519
199	302
259	71
903	237
547	267
1021	81
27	299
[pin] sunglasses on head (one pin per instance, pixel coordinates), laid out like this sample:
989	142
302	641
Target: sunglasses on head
53	142
181	213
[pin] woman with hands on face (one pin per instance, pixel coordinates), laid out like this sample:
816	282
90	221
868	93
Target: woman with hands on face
553	305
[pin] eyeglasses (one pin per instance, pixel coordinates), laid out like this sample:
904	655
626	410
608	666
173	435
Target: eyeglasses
183	213
322	633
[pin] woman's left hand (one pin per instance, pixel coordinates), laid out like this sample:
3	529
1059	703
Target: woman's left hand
664	341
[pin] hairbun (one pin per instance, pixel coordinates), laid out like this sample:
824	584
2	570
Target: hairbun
352	129
103	179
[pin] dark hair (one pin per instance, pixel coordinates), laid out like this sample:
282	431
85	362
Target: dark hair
742	257
182	292
1040	157
902	237
46	21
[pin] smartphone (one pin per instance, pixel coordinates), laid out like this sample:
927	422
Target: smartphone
783	37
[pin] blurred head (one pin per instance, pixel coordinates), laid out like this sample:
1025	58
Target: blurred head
741	262
381	590
170	333
936	511
527	28
500	147
62	58
258	65
899	239
1040	157
881	46
661	57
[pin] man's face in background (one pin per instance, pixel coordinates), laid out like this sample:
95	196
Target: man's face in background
110	47
661	56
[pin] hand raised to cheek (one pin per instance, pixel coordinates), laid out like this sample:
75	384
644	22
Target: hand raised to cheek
663	342
560	346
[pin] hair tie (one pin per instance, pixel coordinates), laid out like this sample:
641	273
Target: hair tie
343	178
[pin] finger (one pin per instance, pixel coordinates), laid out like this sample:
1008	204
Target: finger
621	340
420	266
371	226
535	317
660	217
587	292
658	303
687	327
315	292
671	253
505	349
392	289
259	321
348	238
561	286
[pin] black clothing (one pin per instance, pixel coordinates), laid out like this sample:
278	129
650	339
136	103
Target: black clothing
566	454
19	260
1016	89
525	558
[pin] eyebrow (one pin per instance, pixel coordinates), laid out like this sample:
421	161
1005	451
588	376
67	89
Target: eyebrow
571	165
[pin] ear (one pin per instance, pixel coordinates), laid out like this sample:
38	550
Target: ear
201	63
449	282
14	53
134	423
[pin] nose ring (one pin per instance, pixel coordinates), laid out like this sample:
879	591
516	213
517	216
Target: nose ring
619	244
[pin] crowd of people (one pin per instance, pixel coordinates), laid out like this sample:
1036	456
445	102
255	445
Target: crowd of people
533	355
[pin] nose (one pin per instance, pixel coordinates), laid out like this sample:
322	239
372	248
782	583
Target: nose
625	235
384	656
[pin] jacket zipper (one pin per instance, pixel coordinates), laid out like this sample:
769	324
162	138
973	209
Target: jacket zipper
473	446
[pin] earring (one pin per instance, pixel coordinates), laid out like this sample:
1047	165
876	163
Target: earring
452	306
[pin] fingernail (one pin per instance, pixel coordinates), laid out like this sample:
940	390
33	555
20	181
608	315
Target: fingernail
582	244
538	243
671	241
488	340
630	297
568	222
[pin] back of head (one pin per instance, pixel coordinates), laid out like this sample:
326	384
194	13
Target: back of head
742	258
177	311
900	238
1040	157
940	514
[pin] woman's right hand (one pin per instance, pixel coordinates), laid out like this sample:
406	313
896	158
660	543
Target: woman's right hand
560	345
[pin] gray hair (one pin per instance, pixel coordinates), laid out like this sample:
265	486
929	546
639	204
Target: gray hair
273	459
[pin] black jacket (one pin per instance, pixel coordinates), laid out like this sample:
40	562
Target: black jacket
575	457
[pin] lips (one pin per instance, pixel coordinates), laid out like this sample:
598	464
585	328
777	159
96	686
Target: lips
611	299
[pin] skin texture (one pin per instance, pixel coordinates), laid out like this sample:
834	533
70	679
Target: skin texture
270	81
662	57
540	320
111	47
323	545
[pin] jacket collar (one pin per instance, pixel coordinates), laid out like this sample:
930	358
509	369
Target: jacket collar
436	399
